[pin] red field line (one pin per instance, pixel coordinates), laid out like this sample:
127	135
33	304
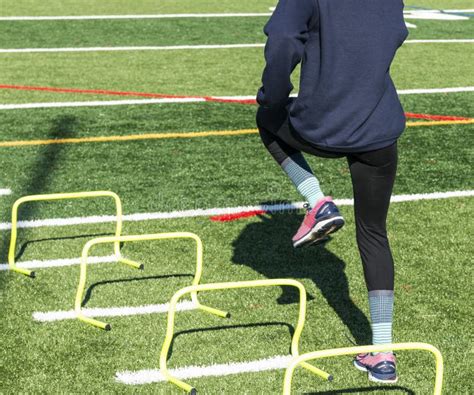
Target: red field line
236	216
435	117
107	92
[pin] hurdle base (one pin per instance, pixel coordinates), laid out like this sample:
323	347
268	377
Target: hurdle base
91	321
211	310
135	265
317	372
181	384
25	272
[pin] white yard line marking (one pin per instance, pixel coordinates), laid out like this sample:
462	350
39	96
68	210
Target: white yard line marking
466	10
99	103
190	47
5	192
433	15
106	103
177	16
436	90
143	16
400	92
442	41
191	372
36	264
216	211
50	316
132	48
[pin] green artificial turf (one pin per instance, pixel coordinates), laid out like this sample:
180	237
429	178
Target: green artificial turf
165	32
439	4
178	174
431	304
124	7
205	72
114	7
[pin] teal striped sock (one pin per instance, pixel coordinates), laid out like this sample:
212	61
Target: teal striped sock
381	312
300	173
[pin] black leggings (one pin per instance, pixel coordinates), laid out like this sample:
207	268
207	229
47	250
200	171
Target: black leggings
373	174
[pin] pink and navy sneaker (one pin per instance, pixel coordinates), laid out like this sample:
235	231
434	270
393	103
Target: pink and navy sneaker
381	367
318	223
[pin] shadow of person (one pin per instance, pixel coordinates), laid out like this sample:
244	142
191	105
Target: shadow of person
43	169
266	247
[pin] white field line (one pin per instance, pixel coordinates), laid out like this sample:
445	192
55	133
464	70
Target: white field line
433	15
36	264
131	48
435	90
466	10
143	16
173	16
191	372
106	103
99	103
50	316
442	41
400	92
52	222
191	47
5	192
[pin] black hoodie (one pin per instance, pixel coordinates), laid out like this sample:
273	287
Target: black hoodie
347	100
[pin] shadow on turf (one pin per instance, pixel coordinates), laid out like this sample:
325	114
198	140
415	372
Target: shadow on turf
127	280
384	388
266	247
291	331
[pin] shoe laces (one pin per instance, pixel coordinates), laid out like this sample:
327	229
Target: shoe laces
307	207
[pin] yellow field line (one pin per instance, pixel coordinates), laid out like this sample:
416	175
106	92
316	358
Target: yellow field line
439	123
179	135
147	136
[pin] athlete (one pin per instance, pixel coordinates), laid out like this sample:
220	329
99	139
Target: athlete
347	106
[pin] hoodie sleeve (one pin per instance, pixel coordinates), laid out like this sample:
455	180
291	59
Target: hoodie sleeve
287	32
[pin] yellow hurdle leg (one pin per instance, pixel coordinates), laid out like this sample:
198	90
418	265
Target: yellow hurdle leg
93	322
26	272
80	291
131	263
318	372
197	280
211	310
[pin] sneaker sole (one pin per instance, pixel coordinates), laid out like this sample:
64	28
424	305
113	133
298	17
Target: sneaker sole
319	233
384	381
359	367
373	378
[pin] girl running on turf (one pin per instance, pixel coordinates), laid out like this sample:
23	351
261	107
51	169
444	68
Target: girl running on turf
347	107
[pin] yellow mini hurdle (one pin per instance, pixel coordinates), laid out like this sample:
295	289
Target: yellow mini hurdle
226	286
366	349
62	196
126	239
